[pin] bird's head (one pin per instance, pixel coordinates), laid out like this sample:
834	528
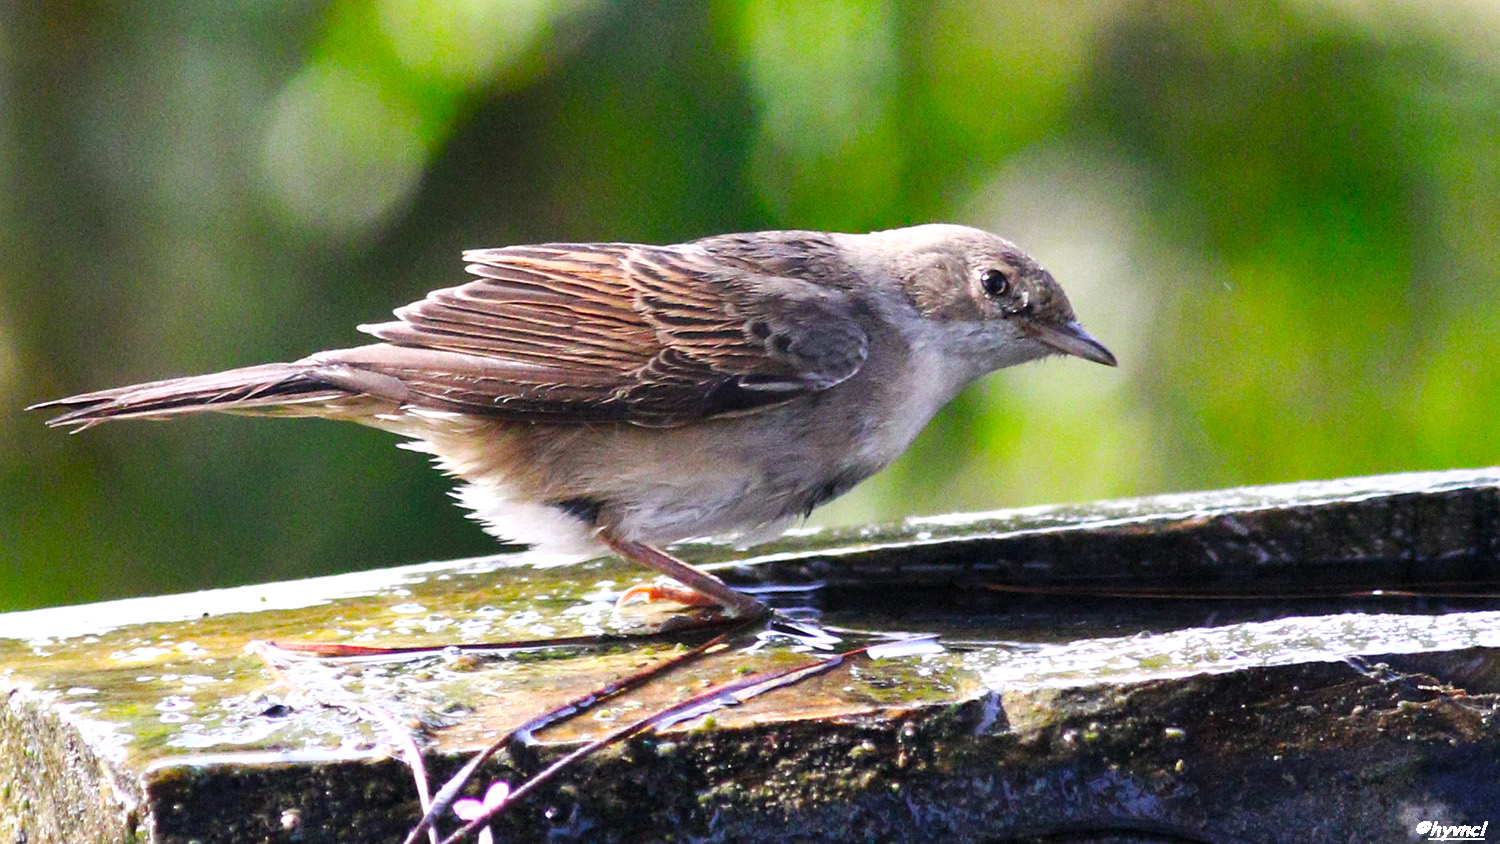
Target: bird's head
981	293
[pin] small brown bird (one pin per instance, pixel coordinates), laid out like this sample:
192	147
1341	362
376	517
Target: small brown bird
633	396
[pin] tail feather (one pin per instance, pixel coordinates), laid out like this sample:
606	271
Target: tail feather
252	388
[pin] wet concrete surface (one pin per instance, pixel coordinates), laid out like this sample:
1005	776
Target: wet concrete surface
1310	662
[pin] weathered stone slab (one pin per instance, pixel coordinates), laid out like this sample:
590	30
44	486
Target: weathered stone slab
1067	703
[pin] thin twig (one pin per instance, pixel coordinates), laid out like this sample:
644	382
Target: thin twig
728	694
454	786
338	650
411	754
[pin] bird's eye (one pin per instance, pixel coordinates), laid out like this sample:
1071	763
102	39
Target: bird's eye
995	283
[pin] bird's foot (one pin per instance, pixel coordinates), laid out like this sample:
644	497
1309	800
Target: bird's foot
676	593
694	588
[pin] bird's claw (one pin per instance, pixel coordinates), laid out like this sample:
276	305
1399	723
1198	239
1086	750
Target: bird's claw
651	592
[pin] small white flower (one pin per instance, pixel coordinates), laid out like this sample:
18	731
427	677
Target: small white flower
468	808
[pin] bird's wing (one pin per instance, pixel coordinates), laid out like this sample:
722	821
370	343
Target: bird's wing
592	332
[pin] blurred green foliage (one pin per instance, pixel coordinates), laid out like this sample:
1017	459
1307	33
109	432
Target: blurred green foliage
1283	217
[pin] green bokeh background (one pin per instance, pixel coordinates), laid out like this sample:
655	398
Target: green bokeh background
1283	217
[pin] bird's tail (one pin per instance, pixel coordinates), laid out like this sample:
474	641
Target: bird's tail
278	388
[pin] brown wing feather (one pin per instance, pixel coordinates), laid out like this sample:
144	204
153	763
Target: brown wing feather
587	332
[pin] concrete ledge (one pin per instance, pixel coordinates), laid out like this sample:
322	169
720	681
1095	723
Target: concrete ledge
1110	716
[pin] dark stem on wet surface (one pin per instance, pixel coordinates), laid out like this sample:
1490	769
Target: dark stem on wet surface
454	786
727	694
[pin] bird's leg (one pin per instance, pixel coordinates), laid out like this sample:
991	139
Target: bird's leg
700	584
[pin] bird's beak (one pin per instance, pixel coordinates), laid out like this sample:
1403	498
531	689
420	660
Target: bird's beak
1070	339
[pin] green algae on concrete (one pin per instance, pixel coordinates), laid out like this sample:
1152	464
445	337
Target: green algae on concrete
1295	712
